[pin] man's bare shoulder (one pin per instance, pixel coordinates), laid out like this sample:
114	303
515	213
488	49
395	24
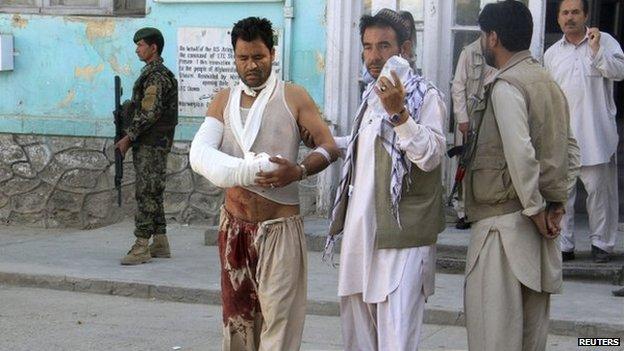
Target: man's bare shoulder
217	106
297	97
295	92
222	96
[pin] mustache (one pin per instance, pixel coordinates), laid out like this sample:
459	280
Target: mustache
254	72
375	65
570	22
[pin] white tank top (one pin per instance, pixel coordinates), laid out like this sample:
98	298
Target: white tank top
278	135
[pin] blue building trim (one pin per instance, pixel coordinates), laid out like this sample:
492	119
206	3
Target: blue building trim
62	83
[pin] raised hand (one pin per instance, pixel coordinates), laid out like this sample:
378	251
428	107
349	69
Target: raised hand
594	39
392	96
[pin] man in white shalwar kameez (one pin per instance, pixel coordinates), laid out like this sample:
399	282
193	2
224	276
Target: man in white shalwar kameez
585	63
389	203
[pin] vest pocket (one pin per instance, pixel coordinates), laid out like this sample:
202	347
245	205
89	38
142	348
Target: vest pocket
491	182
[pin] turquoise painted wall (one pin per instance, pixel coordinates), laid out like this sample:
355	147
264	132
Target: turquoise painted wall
62	83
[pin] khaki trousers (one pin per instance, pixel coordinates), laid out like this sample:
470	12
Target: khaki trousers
269	312
501	313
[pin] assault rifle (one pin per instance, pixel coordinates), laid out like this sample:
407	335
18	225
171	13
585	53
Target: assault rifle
118	114
464	152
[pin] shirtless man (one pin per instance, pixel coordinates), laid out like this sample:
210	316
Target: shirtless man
248	144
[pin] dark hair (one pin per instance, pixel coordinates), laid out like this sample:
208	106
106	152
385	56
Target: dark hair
150	36
155	39
585	4
252	28
407	16
387	18
512	22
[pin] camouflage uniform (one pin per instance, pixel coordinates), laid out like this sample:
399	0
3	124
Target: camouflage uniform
151	130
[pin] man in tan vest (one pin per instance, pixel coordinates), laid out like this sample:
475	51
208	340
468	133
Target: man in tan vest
389	202
517	183
471	75
248	145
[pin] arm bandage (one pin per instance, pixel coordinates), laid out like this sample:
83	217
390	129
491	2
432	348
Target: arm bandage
221	169
324	153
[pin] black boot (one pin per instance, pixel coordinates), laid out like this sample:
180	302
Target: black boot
567	256
599	255
619	292
462	224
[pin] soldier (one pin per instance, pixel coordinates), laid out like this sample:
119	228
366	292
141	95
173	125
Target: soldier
152	122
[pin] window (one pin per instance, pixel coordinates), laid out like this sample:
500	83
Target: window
75	7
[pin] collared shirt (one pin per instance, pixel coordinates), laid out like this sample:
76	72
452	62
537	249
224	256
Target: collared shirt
587	82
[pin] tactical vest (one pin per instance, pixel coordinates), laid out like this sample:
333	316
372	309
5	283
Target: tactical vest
476	70
161	133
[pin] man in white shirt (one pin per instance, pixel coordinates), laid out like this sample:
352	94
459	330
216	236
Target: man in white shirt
389	202
585	63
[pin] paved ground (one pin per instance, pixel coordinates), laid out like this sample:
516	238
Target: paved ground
49	320
88	261
452	247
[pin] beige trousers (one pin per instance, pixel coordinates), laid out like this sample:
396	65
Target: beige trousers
278	252
501	313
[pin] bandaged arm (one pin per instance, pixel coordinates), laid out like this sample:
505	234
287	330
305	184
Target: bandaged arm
221	169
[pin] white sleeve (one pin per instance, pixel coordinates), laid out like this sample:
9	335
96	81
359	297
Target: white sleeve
343	144
424	142
609	59
221	169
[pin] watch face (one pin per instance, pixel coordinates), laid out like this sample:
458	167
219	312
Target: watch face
395	118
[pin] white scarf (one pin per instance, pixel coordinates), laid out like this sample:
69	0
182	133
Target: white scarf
246	135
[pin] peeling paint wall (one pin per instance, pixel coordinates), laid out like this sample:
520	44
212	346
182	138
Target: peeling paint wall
62	83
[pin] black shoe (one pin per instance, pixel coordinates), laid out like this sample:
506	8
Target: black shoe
462	224
619	292
599	255
567	255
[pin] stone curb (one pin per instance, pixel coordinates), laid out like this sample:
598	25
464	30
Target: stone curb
212	297
452	259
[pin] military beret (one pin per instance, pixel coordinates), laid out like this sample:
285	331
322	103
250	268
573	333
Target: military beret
146	32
